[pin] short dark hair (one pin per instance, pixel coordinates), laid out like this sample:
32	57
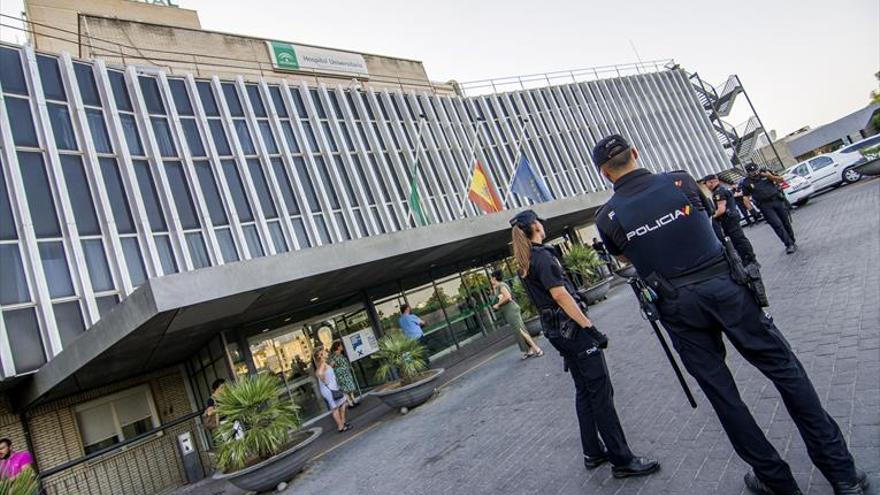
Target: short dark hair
217	383
404	307
619	160
7	441
336	345
498	275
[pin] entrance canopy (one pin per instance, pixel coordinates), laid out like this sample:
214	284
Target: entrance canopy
169	318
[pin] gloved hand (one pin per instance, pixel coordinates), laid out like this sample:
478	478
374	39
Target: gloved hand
600	338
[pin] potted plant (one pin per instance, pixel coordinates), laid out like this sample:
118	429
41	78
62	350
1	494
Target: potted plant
25	483
529	312
587	265
259	442
415	383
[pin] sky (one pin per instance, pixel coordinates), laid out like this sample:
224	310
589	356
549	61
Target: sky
802	63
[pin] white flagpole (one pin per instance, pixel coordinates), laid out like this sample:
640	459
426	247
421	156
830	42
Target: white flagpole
471	165
518	151
414	172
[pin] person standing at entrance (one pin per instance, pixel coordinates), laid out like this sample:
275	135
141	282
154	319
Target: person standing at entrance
411	326
726	216
344	375
334	398
572	333
762	186
512	314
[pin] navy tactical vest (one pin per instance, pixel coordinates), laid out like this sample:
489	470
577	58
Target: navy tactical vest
665	233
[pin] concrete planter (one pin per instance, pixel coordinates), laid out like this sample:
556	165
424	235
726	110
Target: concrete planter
409	396
266	475
534	326
597	292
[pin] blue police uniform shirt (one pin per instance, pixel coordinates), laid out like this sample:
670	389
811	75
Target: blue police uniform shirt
761	189
546	272
722	193
661	223
409	324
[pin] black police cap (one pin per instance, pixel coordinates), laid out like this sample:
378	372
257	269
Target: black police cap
751	167
524	219
609	147
709	177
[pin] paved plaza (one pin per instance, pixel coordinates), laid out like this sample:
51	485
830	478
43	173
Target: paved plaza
509	427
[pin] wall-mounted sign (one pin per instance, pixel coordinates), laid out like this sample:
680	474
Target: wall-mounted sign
287	56
360	344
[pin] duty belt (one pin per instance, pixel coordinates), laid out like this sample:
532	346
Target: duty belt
711	271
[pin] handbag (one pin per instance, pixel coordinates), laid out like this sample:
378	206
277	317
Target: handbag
336	394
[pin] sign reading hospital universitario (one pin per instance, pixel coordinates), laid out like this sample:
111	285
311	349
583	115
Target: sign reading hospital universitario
287	56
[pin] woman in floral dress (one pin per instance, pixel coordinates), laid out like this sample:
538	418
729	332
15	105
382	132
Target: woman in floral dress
344	374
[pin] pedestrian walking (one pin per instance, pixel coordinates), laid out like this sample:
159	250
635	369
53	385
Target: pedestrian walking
762	186
344	374
571	332
654	221
728	218
329	389
512	314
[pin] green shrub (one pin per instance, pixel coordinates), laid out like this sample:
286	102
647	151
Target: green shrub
406	355
522	299
255	422
585	262
26	483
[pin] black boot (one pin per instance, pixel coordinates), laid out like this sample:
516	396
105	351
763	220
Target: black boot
638	466
592	462
857	487
757	486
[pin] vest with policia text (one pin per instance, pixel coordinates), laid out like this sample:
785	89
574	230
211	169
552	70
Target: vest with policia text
665	233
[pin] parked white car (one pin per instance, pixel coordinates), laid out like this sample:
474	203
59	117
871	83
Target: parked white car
827	170
797	189
856	153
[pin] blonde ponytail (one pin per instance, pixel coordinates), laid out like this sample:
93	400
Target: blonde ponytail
522	250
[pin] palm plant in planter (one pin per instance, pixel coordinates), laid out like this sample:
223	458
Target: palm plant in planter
406	356
255	445
586	263
26	483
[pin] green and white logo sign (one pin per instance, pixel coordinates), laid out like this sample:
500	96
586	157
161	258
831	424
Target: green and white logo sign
287	56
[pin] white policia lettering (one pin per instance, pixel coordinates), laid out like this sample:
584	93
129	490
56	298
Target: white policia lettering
660	222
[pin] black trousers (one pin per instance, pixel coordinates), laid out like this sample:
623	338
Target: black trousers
738	238
696	319
594	398
777	215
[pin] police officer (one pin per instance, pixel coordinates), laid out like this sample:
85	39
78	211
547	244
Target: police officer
572	333
763	187
653	220
728	218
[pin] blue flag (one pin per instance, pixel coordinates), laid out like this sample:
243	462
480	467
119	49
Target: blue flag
528	184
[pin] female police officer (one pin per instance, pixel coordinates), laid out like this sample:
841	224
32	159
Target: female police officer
575	337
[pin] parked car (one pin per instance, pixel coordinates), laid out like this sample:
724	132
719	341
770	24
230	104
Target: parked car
797	189
858	152
827	170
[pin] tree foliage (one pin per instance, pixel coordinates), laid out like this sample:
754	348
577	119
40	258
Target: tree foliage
401	353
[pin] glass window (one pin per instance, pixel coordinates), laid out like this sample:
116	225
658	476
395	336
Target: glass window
166	254
256	101
219	136
322	229
65	139
105	422
299	228
821	162
163	137
55	268
96	262
12	72
193	139
268	139
98	129
39	196
253	241
278	100
206	96
319	107
232	100
116	195
152	97
120	90
277	237
227	245
7	221
13	284
306	182
298	103
149	195
50	76
310	136
133	260
286	188
132	136
211	193
237	190
105	304
68	318
328	134
197	250
328	185
24	337
80	195
180	96
262	188
85	79
182	198
244	137
340	221
287	129
23	132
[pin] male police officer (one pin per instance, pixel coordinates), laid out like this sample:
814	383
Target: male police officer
727	216
651	221
763	187
570	331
